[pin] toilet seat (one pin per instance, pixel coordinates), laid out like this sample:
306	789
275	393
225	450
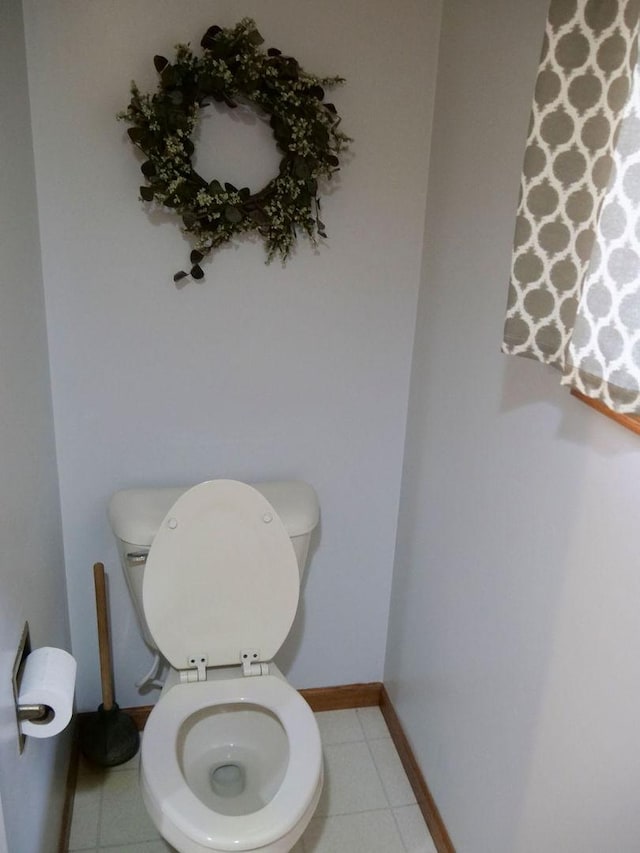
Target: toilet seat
178	813
221	578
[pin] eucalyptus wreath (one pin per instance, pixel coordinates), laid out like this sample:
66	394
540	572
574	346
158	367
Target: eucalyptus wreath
234	69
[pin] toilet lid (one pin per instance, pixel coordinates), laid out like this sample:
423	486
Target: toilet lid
221	577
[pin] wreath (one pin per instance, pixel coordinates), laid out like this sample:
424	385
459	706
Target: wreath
231	70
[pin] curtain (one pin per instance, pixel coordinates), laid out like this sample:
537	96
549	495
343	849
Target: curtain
574	293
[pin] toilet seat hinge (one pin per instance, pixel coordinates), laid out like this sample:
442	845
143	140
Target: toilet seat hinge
197	669
251	664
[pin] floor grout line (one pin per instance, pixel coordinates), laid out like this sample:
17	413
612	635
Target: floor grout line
382	785
400	835
100	816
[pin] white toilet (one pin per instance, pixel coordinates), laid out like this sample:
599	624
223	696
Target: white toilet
231	755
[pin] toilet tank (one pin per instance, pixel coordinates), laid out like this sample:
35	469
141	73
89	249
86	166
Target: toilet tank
136	514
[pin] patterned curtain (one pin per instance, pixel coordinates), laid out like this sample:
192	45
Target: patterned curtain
574	295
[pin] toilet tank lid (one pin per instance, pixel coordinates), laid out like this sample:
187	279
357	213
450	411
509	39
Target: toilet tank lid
136	514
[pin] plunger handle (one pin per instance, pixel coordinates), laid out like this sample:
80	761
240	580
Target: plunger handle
103	636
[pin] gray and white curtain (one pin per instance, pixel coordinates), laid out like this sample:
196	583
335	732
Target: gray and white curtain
574	295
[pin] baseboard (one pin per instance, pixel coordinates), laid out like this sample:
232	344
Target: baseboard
343	697
69	791
139	715
361	696
416	779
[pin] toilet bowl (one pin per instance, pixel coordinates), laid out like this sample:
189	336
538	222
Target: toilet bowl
275	749
231	755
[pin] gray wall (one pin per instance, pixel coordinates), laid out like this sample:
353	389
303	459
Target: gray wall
32	580
512	649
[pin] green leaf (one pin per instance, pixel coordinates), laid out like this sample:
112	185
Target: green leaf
208	39
301	169
170	77
230	188
197	272
321	136
146	193
254	38
196	256
198	180
210	84
215	187
180	275
219	49
232	214
258	216
281	132
160	63
290	68
189	219
148	169
135	134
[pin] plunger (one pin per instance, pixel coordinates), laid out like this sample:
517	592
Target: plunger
109	736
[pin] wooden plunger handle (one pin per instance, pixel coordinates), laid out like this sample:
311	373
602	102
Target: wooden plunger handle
103	636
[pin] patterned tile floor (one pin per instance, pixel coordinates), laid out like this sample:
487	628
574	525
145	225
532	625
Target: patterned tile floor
367	805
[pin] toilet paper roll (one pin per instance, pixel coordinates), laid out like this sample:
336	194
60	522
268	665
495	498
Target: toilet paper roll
49	678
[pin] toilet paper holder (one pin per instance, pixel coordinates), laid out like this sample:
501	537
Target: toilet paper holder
43	690
24	648
38	713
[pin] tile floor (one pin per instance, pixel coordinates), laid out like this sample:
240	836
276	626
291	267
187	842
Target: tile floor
367	805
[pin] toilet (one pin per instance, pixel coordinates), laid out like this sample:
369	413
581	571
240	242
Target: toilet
231	755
